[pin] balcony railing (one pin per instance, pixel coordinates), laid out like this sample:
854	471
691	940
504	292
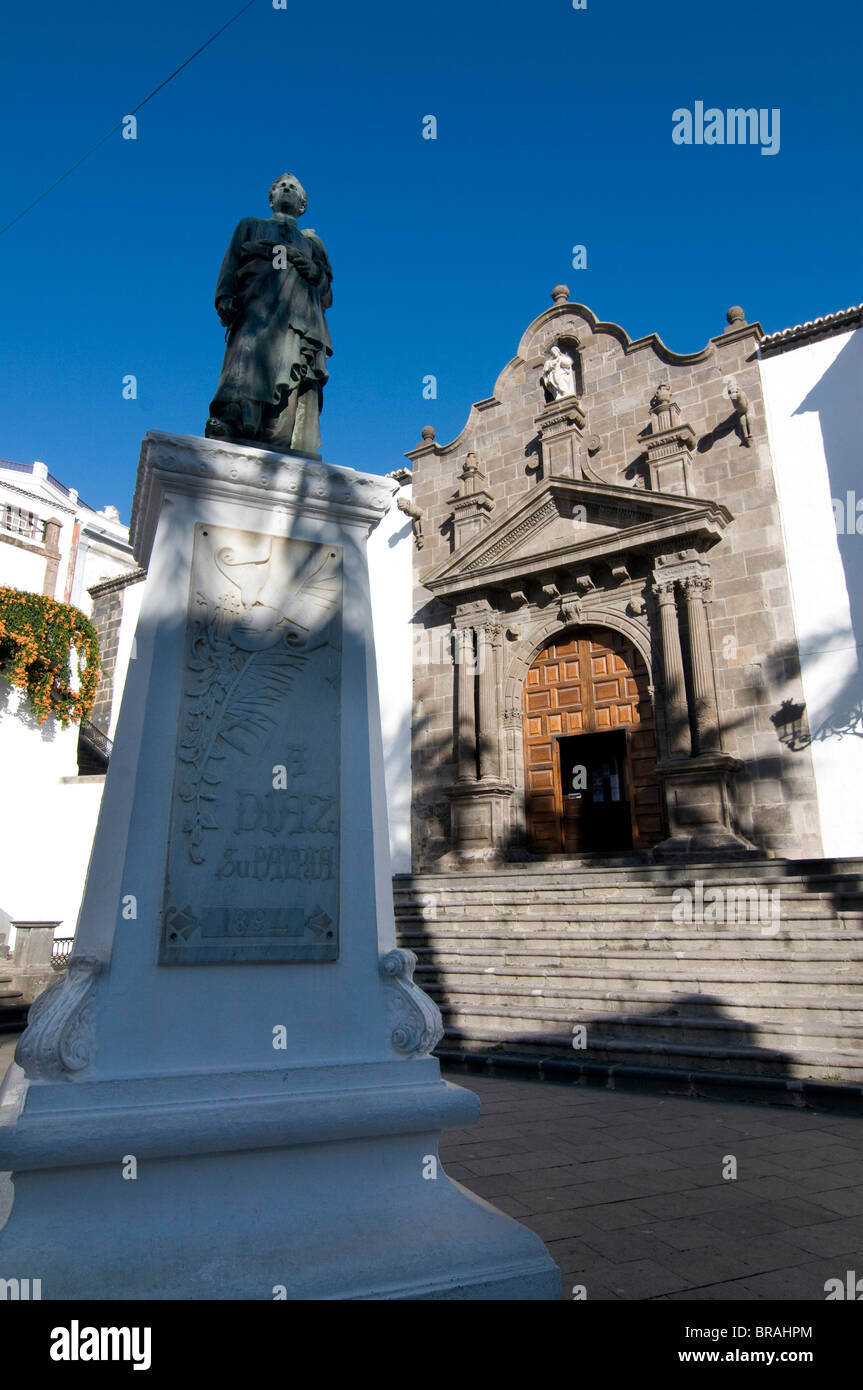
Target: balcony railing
94	748
61	949
16	467
27	525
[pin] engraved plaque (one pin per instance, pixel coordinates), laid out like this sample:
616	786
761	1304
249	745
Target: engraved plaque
253	851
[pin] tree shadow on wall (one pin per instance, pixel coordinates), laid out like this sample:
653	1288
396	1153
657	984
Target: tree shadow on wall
837	399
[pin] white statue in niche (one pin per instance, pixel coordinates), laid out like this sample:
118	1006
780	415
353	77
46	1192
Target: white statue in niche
558	375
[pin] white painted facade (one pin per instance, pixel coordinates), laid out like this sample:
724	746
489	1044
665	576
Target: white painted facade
390	556
814	396
93	545
47	826
48	817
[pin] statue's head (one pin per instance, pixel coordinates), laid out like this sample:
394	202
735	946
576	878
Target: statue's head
288	195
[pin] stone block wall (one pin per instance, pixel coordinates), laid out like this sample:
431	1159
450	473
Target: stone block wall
107	619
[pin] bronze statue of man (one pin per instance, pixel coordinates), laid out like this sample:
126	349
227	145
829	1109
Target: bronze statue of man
273	289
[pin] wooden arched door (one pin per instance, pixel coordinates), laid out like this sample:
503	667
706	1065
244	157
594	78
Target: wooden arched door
589	747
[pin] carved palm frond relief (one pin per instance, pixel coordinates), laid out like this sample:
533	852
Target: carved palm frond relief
234	700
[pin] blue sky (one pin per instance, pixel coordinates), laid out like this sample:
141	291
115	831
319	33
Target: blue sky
554	129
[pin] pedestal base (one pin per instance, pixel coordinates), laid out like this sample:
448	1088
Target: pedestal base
479	820
329	1188
698	802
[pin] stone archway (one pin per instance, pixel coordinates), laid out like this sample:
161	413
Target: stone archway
590	776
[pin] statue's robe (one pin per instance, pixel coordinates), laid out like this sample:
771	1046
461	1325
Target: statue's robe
279	341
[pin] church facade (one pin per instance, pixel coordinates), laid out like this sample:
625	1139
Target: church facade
606	659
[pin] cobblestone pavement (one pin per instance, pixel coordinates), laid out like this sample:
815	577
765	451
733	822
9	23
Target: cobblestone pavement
626	1188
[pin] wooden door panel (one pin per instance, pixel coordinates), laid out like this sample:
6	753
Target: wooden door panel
592	682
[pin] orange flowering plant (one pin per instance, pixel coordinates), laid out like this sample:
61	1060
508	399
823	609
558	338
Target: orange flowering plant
37	635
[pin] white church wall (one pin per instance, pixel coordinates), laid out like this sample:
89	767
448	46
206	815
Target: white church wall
21	569
390	552
47	816
815	421
96	561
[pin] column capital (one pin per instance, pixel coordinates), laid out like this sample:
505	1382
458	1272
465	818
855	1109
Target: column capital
663	590
697	584
473	614
491	630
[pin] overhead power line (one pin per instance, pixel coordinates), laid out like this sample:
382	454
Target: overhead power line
133	112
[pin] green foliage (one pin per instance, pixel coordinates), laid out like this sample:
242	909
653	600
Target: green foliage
36	636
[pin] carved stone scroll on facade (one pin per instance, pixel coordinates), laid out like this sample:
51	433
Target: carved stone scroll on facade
253	848
416	516
416	1019
740	401
58	1041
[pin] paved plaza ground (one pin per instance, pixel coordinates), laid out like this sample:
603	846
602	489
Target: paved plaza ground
626	1187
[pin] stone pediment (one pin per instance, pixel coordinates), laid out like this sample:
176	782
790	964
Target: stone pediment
566	522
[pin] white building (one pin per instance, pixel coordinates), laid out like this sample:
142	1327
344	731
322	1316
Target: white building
53	543
812	378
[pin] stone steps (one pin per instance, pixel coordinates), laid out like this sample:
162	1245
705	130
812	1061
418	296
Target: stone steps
829	876
820	1007
783	1035
787	989
517	957
578	928
650	957
514	908
734	1062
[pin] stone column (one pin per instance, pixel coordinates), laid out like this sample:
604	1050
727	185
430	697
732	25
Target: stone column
695	588
53	528
488	639
465	708
676	713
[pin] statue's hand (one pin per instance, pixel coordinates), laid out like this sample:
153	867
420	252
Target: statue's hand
303	263
307	267
227	310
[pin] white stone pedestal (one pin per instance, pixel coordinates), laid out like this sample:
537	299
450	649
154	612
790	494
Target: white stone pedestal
229	1095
